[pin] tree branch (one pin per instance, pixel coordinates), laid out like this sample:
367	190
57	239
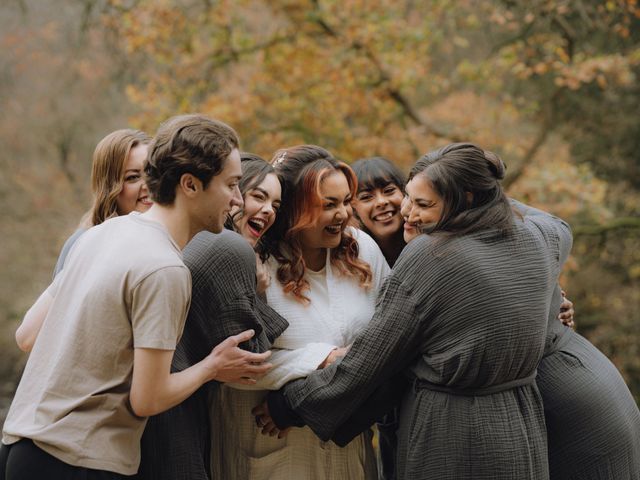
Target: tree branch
548	125
229	55
385	78
514	174
615	225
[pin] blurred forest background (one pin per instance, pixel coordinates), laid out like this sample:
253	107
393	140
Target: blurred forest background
553	86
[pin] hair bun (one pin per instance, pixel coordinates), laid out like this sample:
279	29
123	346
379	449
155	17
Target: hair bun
496	165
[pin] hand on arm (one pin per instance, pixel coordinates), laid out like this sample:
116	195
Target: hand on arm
229	363
30	327
290	365
328	397
567	312
155	389
333	356
261	412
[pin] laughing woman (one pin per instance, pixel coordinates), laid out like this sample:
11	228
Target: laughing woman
326	275
261	191
463	315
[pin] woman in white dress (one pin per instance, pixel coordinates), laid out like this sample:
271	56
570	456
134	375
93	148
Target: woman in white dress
325	278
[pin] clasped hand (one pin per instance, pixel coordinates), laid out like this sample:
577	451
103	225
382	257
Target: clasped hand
266	423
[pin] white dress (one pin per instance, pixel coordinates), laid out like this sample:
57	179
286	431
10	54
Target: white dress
339	309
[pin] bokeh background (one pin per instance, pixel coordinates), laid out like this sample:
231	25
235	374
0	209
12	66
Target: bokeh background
553	86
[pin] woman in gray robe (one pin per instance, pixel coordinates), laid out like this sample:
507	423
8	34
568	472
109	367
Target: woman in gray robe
593	422
463	316
176	443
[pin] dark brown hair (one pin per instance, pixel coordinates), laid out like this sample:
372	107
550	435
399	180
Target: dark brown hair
302	169
254	170
377	172
192	144
455	171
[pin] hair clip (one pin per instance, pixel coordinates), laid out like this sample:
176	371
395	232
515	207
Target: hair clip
280	158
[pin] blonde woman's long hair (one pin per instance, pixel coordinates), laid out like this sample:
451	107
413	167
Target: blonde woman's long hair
107	173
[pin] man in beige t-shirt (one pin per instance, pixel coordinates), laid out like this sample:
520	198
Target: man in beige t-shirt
112	318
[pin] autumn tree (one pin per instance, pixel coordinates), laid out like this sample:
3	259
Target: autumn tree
551	85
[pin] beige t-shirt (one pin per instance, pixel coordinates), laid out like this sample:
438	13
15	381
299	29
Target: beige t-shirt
123	286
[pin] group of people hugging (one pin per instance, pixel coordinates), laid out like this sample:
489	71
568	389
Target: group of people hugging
220	316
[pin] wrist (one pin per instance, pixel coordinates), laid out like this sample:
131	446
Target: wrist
210	368
327	360
281	413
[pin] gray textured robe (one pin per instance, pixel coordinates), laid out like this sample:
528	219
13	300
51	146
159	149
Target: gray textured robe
175	444
593	422
465	318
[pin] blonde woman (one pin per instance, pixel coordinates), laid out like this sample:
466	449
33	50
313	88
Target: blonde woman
118	189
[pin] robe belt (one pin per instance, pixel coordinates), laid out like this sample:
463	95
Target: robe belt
420	384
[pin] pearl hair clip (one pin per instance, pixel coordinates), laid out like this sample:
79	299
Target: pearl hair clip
280	159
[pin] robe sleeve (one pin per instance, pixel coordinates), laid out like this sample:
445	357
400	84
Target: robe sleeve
556	231
327	398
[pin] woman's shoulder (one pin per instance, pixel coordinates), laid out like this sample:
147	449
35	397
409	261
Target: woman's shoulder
368	249
360	236
66	248
228	249
365	242
433	251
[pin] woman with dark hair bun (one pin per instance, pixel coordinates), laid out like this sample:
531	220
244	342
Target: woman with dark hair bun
325	279
592	420
378	207
463	316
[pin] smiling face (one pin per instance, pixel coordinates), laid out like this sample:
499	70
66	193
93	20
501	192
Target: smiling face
421	206
134	194
260	207
379	210
332	217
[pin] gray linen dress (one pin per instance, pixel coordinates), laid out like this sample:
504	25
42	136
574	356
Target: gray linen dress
465	318
176	443
66	248
593	422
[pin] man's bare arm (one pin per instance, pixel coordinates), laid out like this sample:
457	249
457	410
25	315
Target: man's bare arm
30	327
154	389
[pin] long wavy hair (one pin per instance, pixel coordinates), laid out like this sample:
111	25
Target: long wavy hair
107	172
302	170
456	170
